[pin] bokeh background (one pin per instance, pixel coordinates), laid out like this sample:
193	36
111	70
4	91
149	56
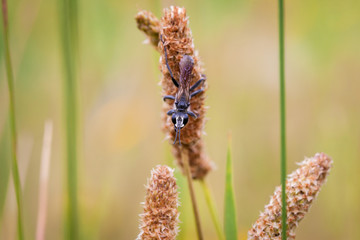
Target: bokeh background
120	102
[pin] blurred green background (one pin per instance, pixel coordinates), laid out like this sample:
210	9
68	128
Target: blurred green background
120	105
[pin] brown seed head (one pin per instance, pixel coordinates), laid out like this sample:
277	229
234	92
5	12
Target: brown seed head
178	41
160	218
302	187
150	25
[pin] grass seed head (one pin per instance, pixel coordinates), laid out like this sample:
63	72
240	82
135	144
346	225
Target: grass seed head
150	25
161	217
179	42
174	28
302	187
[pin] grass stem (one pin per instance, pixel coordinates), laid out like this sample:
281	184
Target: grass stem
211	205
185	160
10	78
282	117
44	180
68	21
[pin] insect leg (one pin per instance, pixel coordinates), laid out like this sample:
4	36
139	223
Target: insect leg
196	92
171	112
168	97
167	64
194	115
201	81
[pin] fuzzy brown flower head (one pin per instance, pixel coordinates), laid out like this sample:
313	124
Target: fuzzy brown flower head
161	217
178	41
150	25
302	187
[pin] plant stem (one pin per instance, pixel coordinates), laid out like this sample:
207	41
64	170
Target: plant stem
68	20
44	180
10	77
282	118
185	160
211	205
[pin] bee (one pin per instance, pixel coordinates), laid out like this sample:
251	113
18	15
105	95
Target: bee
180	113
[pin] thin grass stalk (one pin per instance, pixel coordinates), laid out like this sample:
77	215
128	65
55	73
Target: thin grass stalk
73	18
5	167
282	117
213	212
12	120
185	160
67	16
44	180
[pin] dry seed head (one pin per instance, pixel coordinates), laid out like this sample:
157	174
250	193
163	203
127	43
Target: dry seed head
150	25
161	217
302	187
178	41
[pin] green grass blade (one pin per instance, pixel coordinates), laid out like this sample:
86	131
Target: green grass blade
4	147
282	118
4	168
230	225
68	26
211	205
184	208
12	120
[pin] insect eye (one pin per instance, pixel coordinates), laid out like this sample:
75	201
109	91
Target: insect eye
173	119
186	118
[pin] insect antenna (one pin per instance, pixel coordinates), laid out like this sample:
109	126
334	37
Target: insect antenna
176	135
177	130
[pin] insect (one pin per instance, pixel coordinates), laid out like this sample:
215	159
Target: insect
180	114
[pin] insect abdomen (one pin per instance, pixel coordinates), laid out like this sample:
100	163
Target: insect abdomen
186	66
